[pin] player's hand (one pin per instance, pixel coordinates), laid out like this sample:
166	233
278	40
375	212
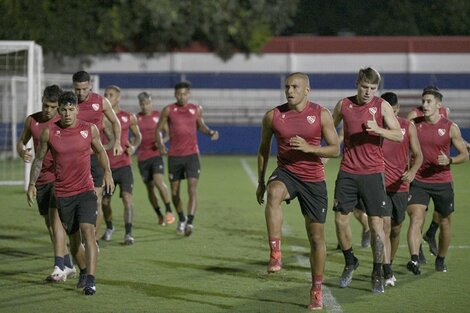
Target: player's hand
27	155
108	183
214	135
130	150
298	143
408	176
324	160
162	149
443	159
260	192
117	149
372	125
31	194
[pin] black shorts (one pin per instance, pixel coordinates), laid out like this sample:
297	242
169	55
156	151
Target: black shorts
149	167
442	194
97	171
370	188
45	198
184	167
123	177
397	202
312	197
77	209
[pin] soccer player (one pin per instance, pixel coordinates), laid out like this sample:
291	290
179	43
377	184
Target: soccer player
398	175
121	165
183	120
92	108
434	179
367	121
33	126
69	141
150	160
299	127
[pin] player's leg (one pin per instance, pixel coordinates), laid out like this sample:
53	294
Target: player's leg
430	234
443	198
361	216
107	216
157	177
417	214
97	173
193	170
176	171
146	172
128	216
316	237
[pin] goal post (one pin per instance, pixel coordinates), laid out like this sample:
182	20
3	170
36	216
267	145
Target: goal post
21	77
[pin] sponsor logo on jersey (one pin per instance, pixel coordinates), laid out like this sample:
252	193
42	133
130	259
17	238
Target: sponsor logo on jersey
192	111
124	119
155	119
373	110
311	119
84	133
95	106
441	131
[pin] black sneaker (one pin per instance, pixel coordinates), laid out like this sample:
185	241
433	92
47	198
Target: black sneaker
346	276
377	283
432	243
413	266
89	290
441	267
422	258
82	280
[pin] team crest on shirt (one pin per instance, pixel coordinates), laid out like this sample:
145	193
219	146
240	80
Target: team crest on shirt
95	106
57	133
283	116
124	119
155	119
192	111
37	123
311	119
84	133
403	131
441	131
373	110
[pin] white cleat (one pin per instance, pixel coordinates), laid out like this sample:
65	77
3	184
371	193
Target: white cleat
181	227
70	272
390	281
57	275
128	240
107	234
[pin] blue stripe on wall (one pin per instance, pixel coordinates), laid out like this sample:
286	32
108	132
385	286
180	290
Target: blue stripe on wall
275	81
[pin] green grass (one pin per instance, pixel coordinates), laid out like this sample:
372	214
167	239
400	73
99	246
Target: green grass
222	266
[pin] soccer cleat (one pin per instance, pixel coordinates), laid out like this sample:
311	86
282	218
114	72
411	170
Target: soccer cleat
346	276
274	265
57	275
390	281
89	290
181	227
70	272
377	283
107	234
170	218
81	281
188	230
441	267
161	221
432	243
365	242
316	302
413	266
421	257
128	239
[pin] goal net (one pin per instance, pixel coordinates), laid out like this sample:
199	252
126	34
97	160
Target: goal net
21	70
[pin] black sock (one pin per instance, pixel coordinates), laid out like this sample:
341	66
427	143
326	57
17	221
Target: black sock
168	207
415	257
190	218
90	280
83	271
68	261
158	211
387	268
432	229
440	259
109	224
128	227
181	216
59	262
349	256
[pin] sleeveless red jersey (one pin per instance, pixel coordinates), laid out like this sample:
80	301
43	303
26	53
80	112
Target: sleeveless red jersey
419	111
37	125
306	124
396	159
433	139
147	125
70	149
91	110
117	161
362	151
182	121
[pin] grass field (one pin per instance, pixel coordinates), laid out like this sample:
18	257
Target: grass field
222	266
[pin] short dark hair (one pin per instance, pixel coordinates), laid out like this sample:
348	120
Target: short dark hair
68	98
144	96
390	97
432	90
51	93
183	84
368	75
114	87
80	77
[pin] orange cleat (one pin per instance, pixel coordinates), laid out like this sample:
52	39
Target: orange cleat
316	301
170	218
274	265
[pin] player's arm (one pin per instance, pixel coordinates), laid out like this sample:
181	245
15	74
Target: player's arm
98	148
337	116
112	117
415	149
393	131
136	136
331	149
37	165
108	132
458	143
162	123
24	152
203	128
411	115
166	133
263	153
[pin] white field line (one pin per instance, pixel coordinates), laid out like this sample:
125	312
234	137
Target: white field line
329	301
